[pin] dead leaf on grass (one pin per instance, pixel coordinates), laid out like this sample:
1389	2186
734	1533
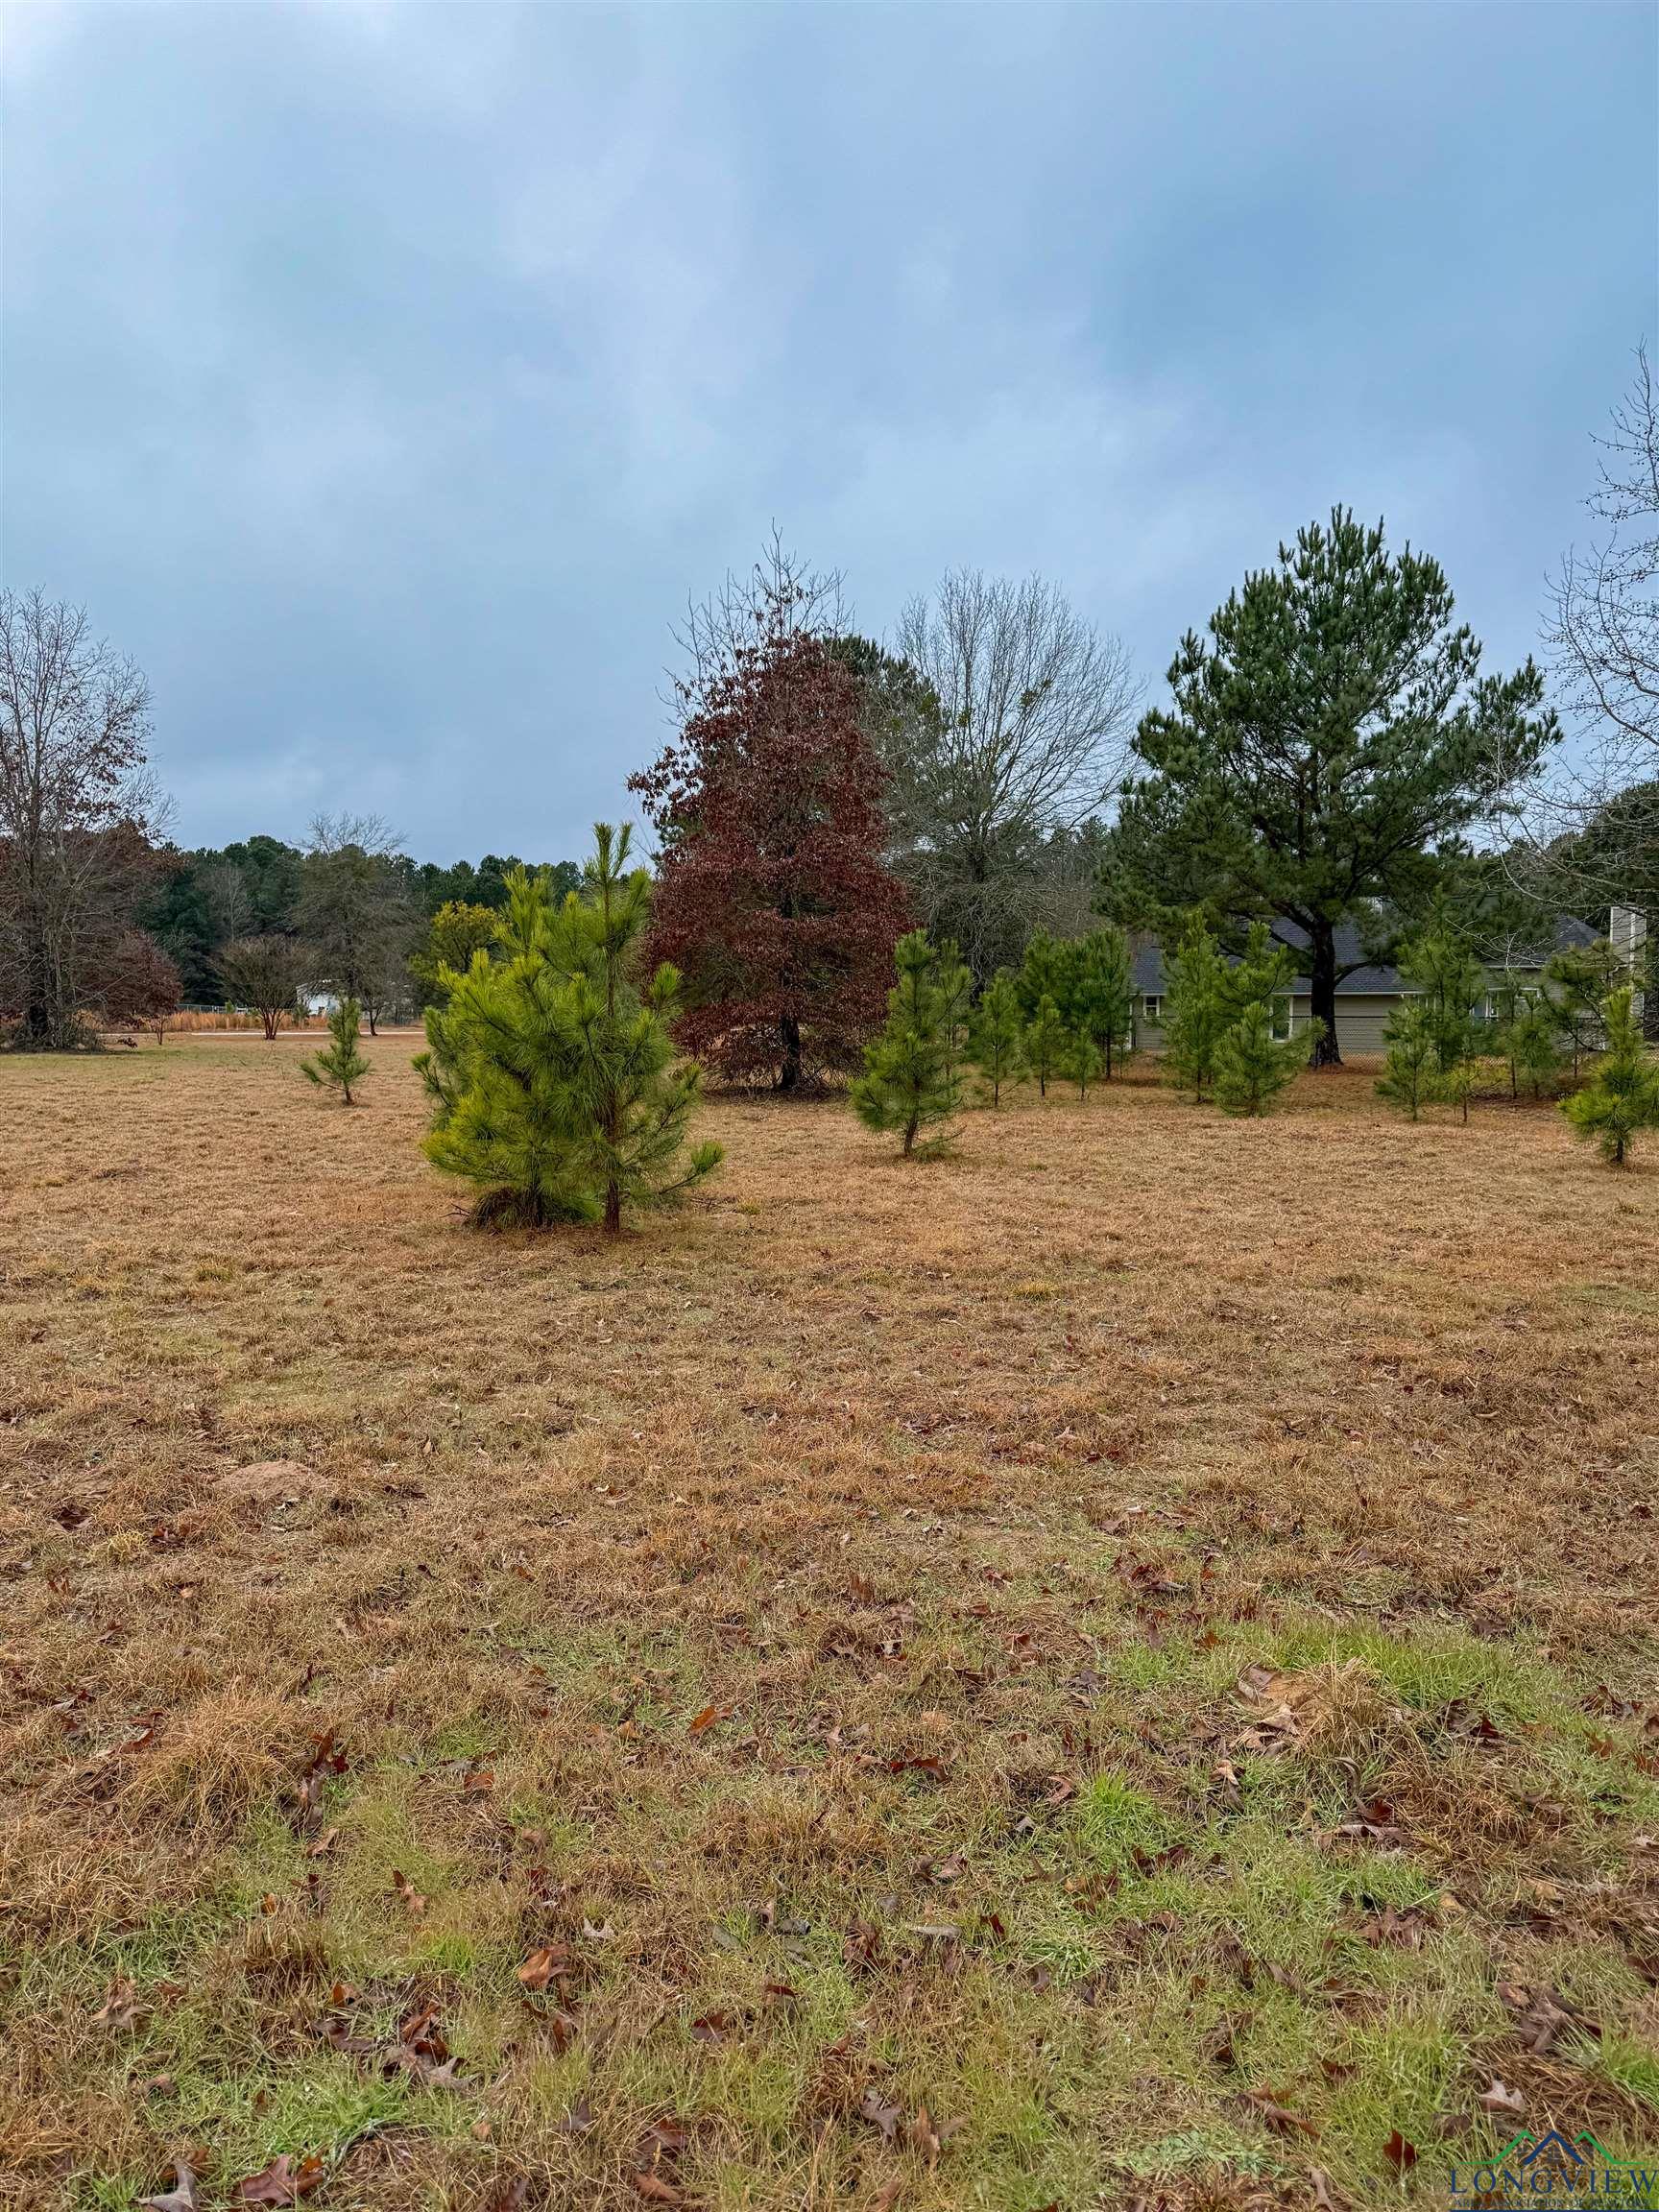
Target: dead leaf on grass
548	1962
1498	2096
1406	1929
1542	2015
861	1950
1399	2153
414	1904
181	2197
885	2118
120	2007
283	2181
511	2193
1269	2107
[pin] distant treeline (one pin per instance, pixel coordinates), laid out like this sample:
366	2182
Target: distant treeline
214	896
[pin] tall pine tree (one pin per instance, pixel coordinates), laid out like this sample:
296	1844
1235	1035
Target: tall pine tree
1327	744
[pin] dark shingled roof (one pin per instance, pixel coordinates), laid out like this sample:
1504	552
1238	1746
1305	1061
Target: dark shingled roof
1150	958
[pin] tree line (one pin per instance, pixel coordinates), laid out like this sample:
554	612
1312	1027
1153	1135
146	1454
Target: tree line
262	923
1333	755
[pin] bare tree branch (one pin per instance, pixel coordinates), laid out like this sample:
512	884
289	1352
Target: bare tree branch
79	818
1033	714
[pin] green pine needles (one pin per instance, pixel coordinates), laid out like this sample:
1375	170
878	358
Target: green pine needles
1407	1077
995	1042
341	1064
911	1080
1453	986
1048	1042
1252	1064
1622	1098
552	1073
1089	983
1194	1016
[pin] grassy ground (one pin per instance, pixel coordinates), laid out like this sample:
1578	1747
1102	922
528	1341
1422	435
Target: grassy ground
1115	1667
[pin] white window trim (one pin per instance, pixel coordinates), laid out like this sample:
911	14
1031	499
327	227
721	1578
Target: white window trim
1152	1008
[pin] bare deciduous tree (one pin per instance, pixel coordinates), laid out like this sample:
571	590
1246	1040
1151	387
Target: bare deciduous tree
355	911
1604	634
1588	840
779	598
266	974
79	815
1033	717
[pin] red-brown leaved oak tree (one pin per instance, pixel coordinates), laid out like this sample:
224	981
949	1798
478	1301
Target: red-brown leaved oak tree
774	898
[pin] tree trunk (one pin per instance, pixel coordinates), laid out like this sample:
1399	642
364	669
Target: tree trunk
613	1210
1322	977
789	1076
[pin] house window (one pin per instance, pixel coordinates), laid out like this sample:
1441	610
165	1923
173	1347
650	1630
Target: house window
1281	1017
1152	1008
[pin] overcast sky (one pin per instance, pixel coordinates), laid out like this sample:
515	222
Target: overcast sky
384	377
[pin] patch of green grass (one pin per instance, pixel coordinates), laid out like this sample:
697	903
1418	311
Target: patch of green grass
1117	1820
1628	2065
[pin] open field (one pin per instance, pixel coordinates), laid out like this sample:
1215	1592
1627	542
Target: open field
1118	1666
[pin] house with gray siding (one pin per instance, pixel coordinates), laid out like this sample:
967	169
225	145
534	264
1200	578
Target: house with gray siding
1365	996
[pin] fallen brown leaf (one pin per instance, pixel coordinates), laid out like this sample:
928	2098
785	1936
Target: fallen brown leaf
120	2007
882	2116
413	1901
282	2181
1267	2106
181	2197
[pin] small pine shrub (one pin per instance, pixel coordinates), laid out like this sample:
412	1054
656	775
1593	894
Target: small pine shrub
910	1080
1195	1017
1533	1041
1082	1060
994	1039
1622	1098
1253	1066
341	1064
1407	1077
556	1089
1046	1039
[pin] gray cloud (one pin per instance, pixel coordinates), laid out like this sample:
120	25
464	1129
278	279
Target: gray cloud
383	378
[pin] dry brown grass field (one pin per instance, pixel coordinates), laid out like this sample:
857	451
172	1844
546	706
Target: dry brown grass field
1114	1667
